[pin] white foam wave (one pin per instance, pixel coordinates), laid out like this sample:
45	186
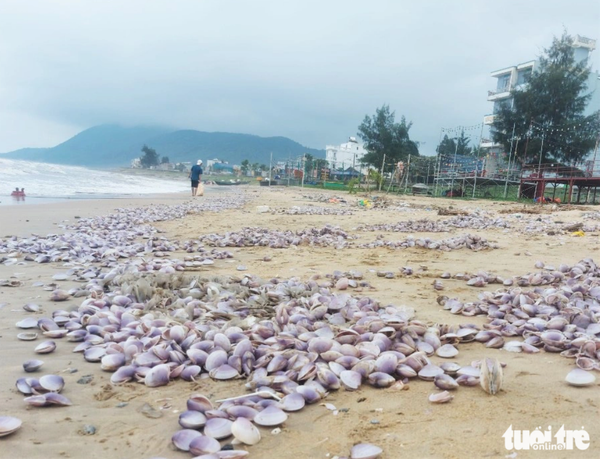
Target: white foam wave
55	180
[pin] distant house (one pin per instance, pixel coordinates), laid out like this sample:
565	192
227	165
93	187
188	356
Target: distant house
136	163
345	154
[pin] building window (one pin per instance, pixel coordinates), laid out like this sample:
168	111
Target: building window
503	83
523	76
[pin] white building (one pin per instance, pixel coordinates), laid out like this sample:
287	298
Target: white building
346	155
516	77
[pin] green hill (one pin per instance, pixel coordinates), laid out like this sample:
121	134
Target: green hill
112	146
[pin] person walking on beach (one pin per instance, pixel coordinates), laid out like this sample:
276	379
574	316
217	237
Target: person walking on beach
196	175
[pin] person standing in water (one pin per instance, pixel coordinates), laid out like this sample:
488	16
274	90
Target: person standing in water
196	175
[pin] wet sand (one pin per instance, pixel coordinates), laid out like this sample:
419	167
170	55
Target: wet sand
403	423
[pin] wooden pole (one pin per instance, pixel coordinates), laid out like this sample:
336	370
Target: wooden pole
381	173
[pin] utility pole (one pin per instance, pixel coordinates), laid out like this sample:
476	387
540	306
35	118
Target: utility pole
454	167
509	158
381	173
270	167
303	168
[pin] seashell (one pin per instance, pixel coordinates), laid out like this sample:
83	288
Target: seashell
192	419
223	372
59	295
29	336
52	383
199	402
24	386
580	378
466	380
28	322
293	402
310	394
450	368
244	431
32	365
204	445
271	416
158	376
31	307
218	428
379	379
447	351
365	451
123	375
441	397
112	362
9	425
53	398
182	438
429	372
190	372
445	382
45	348
243	411
351	380
491	376
94	354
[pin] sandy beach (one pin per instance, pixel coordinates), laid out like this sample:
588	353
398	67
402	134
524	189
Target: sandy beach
403	423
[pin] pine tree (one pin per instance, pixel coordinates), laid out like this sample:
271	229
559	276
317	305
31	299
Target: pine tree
383	136
549	110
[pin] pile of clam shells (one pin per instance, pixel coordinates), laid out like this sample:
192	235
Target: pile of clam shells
111	237
293	341
561	313
313	210
327	236
204	424
468	241
475	220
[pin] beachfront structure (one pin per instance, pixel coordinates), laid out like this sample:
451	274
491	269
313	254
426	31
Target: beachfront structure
515	77
344	155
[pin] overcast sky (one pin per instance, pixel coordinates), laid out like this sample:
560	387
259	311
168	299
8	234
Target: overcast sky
307	69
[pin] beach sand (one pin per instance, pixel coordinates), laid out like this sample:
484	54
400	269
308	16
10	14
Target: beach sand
404	423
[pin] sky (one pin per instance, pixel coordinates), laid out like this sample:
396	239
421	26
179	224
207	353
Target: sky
308	69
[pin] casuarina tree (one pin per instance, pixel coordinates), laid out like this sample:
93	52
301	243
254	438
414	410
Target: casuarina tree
149	158
383	136
547	113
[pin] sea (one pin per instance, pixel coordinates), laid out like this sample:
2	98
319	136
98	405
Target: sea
44	183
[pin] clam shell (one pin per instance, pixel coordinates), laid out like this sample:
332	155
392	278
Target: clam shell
9	425
244	431
32	365
182	438
29	336
199	402
158	376
580	378
270	417
491	376
441	397
351	380
45	347
192	419
365	451
293	402
218	428
29	322
447	351
204	445
52	383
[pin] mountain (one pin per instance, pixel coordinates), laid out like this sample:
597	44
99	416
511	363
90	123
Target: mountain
112	146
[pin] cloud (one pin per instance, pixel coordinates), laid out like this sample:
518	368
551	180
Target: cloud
310	70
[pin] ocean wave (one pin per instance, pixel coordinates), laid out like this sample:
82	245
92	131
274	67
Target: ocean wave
45	179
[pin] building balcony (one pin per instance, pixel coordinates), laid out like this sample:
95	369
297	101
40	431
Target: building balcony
499	94
488	119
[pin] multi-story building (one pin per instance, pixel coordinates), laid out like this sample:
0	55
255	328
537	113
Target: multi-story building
517	76
345	155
